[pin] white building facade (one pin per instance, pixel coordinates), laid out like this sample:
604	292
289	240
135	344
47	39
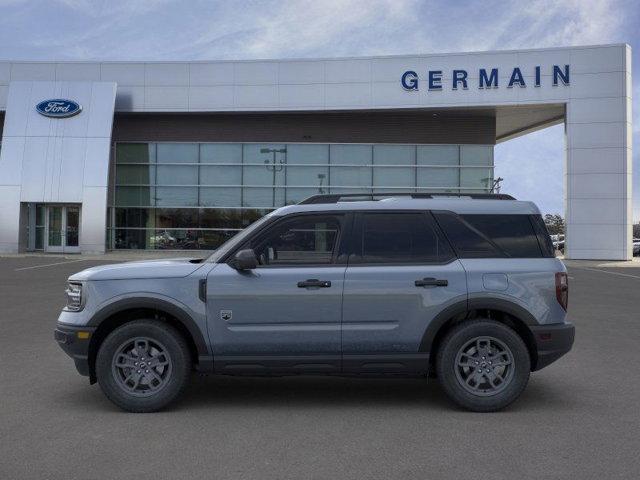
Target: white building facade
108	155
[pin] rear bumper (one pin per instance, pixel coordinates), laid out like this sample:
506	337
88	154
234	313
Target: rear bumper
75	343
552	342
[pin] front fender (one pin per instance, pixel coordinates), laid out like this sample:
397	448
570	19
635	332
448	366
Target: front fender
162	303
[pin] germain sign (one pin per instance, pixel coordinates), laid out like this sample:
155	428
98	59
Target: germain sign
58	108
487	78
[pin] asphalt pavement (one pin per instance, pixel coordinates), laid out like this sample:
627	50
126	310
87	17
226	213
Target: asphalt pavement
579	418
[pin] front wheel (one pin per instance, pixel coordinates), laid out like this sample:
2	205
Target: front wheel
483	365
143	365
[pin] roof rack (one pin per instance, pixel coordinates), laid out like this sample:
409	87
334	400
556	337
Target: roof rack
355	197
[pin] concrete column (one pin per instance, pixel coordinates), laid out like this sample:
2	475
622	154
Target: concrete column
598	204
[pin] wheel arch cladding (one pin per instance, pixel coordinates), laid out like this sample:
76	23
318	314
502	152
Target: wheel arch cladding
127	310
508	313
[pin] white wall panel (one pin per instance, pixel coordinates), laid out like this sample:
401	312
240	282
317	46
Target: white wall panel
593	85
597	185
300	72
166	98
96	171
206	74
130	99
77	72
347	71
345	95
101	107
4	92
5	73
72	161
256	73
166	74
34	168
130	74
595	135
596	110
93	219
33	71
256	96
597	160
9	214
597	210
17	112
11	161
598	59
301	96
211	98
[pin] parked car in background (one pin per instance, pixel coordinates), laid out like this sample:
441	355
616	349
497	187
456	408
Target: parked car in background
636	247
558	242
402	285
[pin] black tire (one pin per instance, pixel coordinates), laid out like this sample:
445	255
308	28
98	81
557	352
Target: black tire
164	383
476	391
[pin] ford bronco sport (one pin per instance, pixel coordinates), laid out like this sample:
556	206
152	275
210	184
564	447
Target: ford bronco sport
465	288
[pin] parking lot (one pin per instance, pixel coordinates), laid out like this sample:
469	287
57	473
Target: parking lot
579	418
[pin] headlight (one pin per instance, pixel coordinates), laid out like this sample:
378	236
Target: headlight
74	297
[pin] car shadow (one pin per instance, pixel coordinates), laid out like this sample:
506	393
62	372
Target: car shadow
309	392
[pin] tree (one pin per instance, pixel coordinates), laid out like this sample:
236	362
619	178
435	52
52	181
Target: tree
554	223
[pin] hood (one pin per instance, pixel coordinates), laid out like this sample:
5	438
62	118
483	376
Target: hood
166	268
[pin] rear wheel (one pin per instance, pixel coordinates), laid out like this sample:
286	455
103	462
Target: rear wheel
143	365
483	365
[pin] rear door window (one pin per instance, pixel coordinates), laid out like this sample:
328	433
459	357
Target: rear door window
400	238
467	241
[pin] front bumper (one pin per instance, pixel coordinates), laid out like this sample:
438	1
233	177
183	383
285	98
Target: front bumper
75	343
552	342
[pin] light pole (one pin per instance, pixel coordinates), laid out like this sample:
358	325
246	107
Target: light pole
321	177
496	185
274	166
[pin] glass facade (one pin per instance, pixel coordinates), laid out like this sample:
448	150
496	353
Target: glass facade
197	195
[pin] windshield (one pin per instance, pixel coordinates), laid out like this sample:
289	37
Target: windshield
239	238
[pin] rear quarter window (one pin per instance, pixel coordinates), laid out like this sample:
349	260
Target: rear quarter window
492	236
513	234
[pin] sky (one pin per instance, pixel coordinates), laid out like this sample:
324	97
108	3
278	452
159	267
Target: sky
532	165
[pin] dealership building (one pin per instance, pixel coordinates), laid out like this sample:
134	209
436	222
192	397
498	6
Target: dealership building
99	156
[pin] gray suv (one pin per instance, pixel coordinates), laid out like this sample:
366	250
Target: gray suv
465	288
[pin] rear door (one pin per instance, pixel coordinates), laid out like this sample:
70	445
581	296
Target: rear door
401	274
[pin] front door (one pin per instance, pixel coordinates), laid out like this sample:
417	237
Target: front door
62	228
285	314
401	275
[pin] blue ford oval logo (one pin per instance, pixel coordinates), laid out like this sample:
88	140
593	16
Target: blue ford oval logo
58	108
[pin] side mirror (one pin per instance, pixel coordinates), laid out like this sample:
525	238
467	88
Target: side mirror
245	260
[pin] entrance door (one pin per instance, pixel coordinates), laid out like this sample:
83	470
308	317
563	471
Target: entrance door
72	229
62	229
54	229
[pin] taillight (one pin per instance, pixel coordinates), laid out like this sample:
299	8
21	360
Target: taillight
562	289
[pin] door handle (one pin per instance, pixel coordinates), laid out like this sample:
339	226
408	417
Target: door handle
431	282
312	282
